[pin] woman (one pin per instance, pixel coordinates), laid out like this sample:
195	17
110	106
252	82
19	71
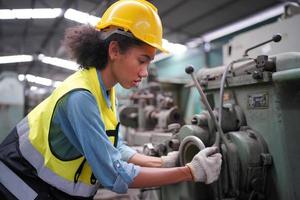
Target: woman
68	145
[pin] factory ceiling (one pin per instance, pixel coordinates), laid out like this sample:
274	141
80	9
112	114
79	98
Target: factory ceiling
183	20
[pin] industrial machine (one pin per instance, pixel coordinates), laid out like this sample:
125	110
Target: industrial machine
254	107
251	112
252	115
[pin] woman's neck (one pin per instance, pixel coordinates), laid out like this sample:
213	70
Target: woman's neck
108	78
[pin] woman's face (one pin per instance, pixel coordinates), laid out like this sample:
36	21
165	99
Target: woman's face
128	68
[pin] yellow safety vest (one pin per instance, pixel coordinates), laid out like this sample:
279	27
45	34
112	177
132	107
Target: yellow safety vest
33	134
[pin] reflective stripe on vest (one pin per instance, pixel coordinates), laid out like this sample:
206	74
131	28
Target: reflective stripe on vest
33	134
15	185
37	161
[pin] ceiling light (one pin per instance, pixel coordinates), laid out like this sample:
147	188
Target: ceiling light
37	13
56	83
15	59
21	77
174	48
46	13
161	56
38	80
6	14
93	20
38	90
58	62
81	17
207	46
67	64
33	88
194	42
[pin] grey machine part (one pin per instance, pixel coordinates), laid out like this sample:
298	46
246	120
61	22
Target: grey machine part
151	119
288	25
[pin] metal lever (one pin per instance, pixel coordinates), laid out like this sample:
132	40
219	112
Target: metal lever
190	70
275	38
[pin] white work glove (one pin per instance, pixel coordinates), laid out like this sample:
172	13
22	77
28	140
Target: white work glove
206	165
170	160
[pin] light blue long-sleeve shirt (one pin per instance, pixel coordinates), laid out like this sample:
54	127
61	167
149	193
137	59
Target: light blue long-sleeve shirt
77	116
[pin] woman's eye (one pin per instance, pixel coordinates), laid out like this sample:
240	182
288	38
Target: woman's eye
142	61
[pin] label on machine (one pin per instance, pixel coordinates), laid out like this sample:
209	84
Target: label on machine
257	101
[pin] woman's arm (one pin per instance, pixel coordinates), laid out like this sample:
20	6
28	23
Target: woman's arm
204	167
145	161
170	160
152	177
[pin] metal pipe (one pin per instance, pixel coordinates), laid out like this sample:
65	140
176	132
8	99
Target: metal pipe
287	75
222	86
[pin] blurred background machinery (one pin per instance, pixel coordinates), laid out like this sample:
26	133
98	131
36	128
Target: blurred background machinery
151	116
11	102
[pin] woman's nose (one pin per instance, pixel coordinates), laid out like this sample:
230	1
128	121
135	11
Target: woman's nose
144	72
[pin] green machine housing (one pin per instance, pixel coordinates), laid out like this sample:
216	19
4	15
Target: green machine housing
261	124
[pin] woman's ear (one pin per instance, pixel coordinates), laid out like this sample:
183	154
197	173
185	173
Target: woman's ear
113	50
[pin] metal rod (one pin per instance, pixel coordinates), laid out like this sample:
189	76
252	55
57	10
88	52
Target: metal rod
190	70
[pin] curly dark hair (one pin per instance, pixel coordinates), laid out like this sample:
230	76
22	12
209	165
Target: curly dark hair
85	45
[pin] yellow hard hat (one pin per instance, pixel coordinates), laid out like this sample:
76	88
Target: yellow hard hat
137	16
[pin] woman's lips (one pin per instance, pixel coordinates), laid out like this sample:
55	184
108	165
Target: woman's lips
136	82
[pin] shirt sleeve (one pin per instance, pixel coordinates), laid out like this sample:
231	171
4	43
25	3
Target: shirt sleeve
81	114
126	151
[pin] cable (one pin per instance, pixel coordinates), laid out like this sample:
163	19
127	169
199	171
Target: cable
222	86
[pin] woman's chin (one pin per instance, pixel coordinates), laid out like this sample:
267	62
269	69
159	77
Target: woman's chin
127	86
133	84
